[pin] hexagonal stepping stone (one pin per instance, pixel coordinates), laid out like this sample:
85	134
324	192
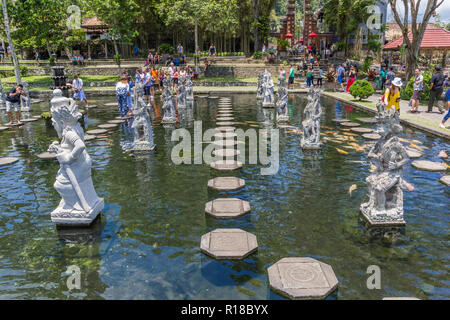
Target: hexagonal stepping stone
445	180
111	104
227	153
361	130
227	208
225	119
224	123
213	97
108	126
225	135
96	131
401	298
225	128
371	136
226	183
91	106
225	111
349	124
3	128
228	244
226	165
367	120
413	153
225	143
429	165
37	117
88	137
29	120
341	120
47	155
225	115
8	160
116	121
302	278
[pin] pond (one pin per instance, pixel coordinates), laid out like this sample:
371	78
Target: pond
146	244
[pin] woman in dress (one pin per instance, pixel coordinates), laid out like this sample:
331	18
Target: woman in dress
351	78
122	93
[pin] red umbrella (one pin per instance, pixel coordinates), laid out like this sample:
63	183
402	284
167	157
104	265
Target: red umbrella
301	40
289	36
312	35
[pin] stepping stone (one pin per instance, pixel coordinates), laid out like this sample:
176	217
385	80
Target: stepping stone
350	124
371	136
228	244
96	131
445	180
429	165
88	137
367	120
227	208
111	104
28	120
341	120
225	111
224	135
413	153
361	130
226	165
226	115
302	278
37	117
92	107
226	153
3	128
116	121
225	143
8	160
225	123
225	128
401	298
225	119
47	155
213	97
202	96
226	183
108	126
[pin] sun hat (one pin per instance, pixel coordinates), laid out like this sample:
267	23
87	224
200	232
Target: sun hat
397	82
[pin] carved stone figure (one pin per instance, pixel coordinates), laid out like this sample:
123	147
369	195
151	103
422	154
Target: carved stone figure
268	88
260	90
168	103
385	203
189	88
142	126
2	98
311	124
25	102
80	204
282	101
181	93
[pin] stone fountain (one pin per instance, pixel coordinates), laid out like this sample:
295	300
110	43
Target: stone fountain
80	204
60	80
168	104
311	124
142	126
268	88
260	90
282	101
189	88
181	93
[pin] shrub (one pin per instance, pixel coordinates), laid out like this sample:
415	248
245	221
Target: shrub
361	89
117	59
283	44
367	63
257	55
406	93
165	48
52	61
46	115
23	71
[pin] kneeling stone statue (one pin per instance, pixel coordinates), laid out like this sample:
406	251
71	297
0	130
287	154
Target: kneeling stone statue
80	204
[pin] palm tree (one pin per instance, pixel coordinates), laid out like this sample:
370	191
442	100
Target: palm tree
11	44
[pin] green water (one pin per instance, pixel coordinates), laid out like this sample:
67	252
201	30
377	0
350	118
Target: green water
146	244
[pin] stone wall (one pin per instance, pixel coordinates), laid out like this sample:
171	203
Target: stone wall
240	71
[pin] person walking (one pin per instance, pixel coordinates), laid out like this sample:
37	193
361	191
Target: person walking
351	78
390	76
175	79
309	77
147	86
13	102
418	88
129	97
447	106
392	95
436	89
180	49
78	92
282	73
155	76
319	79
341	76
291	77
212	52
122	93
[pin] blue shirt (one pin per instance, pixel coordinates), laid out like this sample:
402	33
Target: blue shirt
138	78
176	61
130	83
341	71
447	95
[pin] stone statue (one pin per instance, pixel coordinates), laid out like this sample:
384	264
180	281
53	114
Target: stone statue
268	86
260	90
181	93
25	102
385	203
168	103
142	126
80	204
189	88
2	98
311	124
282	101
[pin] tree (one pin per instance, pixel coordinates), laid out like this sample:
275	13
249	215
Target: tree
11	44
417	28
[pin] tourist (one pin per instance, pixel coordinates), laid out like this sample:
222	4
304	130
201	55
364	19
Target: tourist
143	76
169	61
150	59
147	86
418	88
341	76
383	74
155	76
77	88
316	72
122	93
2	54
176	61
175	79
37	56
183	73
182	59
81	60
392	95
436	89
390	76
447	106
212	52
180	49
327	53
136	50
311	58
291	77
309	77
331	76
351	78
319	79
156	58
138	77
206	63
74	60
129	97
13	101
282	73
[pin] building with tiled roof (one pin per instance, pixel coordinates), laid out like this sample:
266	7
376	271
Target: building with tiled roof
434	39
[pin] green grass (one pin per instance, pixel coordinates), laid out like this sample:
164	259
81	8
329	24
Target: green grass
48	79
228	79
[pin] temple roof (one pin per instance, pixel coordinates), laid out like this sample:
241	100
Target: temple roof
434	38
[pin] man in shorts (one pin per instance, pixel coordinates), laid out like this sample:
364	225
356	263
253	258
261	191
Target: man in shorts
13	101
341	76
147	86
78	92
418	88
291	78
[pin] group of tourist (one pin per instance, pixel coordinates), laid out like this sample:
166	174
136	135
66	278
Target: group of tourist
78	60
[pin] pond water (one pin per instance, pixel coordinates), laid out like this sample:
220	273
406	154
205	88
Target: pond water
146	244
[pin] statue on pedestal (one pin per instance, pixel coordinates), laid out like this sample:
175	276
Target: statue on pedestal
25	102
168	103
260	90
189	88
311	124
268	86
282	101
80	204
385	205
142	126
181	93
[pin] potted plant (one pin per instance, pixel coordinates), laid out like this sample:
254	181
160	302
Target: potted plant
283	44
47	116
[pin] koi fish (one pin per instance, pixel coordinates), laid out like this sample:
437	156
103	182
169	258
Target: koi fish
341	151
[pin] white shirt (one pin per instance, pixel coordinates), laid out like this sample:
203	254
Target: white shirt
171	71
77	84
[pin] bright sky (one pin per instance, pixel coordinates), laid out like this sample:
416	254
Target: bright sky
443	11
